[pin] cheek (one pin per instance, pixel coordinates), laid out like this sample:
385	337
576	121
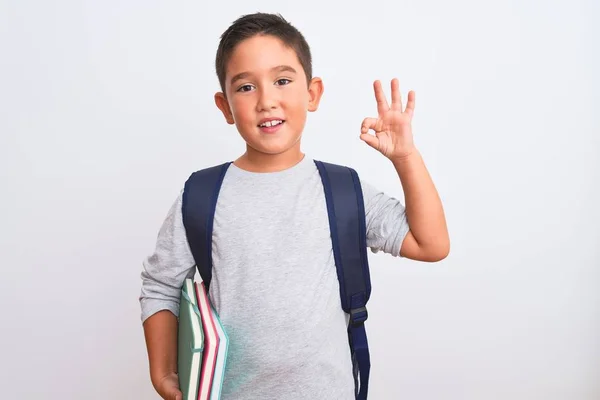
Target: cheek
298	103
242	109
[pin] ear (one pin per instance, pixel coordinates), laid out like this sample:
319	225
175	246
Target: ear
315	91
223	105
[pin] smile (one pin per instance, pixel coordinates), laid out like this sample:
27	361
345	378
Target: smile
271	123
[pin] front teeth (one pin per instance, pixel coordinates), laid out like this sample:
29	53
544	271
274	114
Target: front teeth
271	123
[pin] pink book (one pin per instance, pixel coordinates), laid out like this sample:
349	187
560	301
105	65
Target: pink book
211	342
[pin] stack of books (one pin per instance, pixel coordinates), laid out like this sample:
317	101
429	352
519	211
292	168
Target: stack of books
202	345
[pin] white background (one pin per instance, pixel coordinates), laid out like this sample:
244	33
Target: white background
107	107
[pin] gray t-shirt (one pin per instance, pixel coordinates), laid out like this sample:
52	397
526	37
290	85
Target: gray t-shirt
274	281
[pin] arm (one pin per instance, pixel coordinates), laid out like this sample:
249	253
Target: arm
160	331
163	275
427	239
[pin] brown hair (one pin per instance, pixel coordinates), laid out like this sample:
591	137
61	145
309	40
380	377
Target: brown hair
248	26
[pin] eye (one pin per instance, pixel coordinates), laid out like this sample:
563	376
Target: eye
244	88
283	81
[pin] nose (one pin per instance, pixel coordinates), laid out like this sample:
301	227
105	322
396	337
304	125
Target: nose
267	99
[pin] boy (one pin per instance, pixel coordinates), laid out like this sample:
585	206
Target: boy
274	281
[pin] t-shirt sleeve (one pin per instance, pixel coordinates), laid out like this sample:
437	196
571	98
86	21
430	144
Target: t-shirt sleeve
165	270
386	221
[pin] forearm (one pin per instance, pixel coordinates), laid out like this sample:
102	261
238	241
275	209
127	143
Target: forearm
160	331
424	210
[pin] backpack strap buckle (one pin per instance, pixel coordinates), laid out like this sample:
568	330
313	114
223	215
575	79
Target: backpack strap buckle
358	316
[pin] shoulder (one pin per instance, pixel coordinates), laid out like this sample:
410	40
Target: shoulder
210	172
341	171
208	177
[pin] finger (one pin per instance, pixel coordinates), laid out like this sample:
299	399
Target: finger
396	96
382	104
173	393
370	123
410	104
371	140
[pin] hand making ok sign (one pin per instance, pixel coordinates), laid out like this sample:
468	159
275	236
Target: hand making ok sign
393	132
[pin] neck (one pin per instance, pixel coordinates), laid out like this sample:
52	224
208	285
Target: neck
255	161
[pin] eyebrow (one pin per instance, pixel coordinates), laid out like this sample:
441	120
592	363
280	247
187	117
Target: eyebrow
279	68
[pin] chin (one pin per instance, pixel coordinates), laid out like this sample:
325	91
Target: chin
274	147
273	150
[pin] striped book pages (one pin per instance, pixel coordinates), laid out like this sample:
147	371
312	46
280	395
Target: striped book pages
190	342
211	342
221	357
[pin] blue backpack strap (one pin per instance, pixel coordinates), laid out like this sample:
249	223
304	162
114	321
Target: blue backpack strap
199	201
345	207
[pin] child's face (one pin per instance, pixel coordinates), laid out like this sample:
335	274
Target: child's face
265	83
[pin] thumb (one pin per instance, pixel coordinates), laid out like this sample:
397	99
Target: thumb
173	394
170	388
371	140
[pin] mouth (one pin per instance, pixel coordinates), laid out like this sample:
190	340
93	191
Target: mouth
271	123
271	126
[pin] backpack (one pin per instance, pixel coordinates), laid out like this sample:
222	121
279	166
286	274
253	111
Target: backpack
345	209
